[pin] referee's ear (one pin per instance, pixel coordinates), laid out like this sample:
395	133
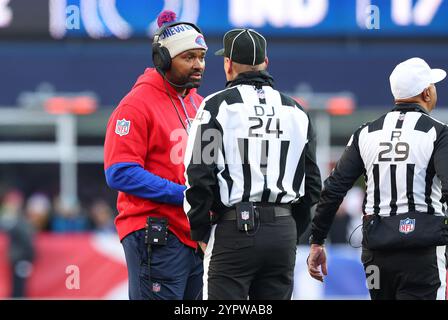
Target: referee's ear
266	62
228	68
426	94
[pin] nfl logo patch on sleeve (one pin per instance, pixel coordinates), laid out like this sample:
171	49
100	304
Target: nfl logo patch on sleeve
123	126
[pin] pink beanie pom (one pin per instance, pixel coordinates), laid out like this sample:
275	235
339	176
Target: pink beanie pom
166	16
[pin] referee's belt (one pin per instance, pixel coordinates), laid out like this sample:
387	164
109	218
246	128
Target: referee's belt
263	211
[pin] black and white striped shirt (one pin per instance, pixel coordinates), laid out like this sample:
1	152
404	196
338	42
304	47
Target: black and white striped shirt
403	156
248	143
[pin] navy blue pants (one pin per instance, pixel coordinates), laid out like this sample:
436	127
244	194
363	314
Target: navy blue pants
176	269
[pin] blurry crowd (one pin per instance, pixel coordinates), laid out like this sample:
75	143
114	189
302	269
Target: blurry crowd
21	218
43	213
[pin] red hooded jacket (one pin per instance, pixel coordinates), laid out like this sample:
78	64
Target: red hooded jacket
145	129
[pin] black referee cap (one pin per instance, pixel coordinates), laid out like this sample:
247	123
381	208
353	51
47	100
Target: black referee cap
245	46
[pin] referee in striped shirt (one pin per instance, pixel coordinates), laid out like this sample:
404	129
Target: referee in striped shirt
251	162
403	156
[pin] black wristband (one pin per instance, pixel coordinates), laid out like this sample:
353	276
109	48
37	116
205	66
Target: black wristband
318	241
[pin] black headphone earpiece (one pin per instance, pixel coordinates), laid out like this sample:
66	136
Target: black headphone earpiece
160	55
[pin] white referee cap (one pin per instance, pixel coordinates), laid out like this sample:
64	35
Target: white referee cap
412	76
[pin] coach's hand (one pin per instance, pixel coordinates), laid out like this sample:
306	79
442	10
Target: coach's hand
317	261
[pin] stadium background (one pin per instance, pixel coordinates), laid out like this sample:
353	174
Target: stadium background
65	64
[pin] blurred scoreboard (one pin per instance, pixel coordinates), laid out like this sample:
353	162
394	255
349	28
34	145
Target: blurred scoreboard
123	19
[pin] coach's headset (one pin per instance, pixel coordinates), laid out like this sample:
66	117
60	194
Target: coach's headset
160	54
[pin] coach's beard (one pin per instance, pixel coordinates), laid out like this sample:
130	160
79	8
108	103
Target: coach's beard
195	78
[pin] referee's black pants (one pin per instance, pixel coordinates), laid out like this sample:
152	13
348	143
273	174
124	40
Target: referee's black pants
258	266
412	274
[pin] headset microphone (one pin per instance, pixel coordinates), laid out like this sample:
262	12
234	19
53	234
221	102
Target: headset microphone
188	85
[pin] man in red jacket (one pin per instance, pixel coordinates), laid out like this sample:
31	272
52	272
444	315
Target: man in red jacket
144	149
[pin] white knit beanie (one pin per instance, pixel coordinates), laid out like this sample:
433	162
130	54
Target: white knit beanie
180	38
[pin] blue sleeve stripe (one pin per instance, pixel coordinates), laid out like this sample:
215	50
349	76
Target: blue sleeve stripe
133	179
